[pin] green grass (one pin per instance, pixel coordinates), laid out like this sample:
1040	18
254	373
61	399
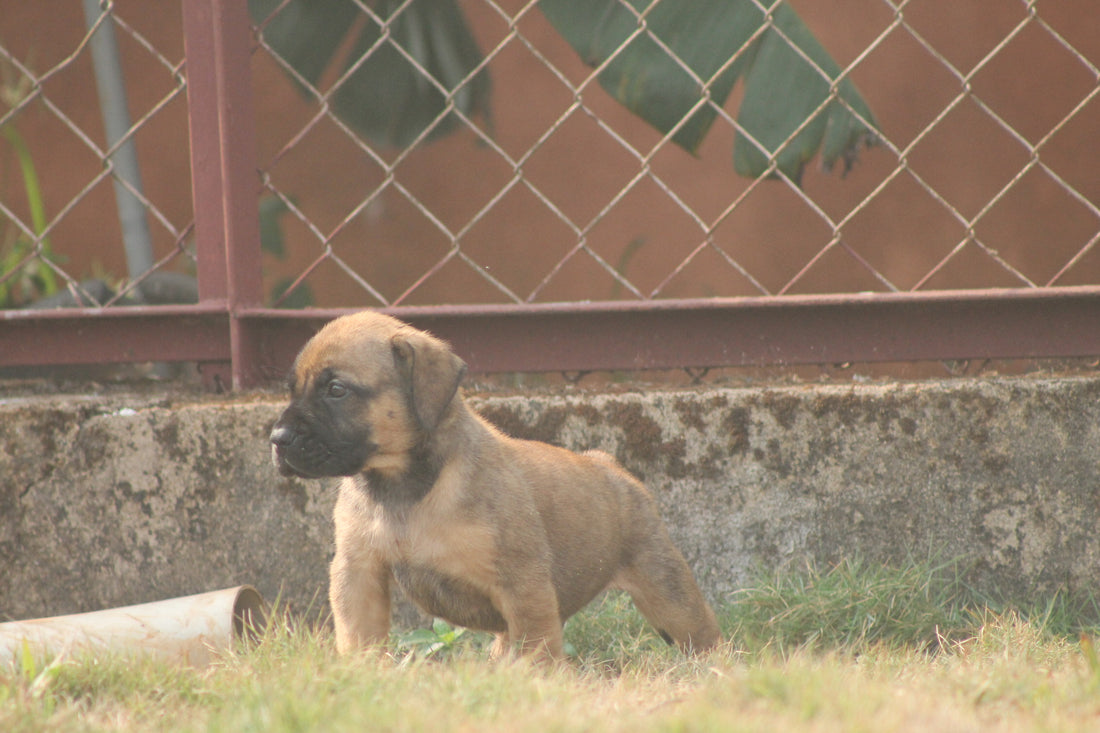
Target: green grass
855	647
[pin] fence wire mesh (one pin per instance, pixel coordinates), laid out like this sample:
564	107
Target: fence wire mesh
450	152
981	176
93	119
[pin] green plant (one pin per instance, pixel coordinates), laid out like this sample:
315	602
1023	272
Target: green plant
24	266
272	242
673	64
656	74
441	639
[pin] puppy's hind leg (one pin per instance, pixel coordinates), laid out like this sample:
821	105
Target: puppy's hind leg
664	590
501	647
534	626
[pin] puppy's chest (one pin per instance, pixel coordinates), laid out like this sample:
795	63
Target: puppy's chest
447	568
446	545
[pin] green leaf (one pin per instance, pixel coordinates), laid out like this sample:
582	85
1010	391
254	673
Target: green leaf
271	234
709	48
301	297
305	34
418	637
674	63
386	98
783	90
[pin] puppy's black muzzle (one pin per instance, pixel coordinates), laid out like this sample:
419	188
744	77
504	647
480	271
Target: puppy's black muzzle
299	448
286	451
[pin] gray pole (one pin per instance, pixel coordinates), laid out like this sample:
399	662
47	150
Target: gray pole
116	122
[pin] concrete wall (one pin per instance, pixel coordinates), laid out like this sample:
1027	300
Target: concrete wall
121	499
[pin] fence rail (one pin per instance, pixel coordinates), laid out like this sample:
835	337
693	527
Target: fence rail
767	306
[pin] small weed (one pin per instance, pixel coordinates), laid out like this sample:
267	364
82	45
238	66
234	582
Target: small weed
441	639
24	264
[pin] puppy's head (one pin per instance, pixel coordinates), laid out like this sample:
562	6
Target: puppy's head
365	390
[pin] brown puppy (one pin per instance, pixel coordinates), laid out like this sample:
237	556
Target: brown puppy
483	530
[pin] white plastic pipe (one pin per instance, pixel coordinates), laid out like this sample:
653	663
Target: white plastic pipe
186	630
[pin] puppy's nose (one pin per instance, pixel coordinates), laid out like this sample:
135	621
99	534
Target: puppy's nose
282	436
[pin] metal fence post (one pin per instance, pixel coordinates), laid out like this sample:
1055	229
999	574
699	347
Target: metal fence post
223	172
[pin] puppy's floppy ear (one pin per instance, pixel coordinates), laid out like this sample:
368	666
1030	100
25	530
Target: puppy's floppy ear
431	372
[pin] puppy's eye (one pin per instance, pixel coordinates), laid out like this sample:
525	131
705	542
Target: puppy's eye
336	390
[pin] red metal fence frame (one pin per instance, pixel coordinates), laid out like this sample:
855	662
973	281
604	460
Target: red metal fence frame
253	346
238	342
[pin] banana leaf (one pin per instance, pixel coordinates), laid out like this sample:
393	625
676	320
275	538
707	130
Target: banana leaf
386	98
675	70
674	63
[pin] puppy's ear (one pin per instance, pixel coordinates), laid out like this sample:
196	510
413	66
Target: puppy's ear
431	372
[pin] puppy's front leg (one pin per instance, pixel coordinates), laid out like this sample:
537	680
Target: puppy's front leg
359	593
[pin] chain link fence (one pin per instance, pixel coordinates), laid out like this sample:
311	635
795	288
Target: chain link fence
981	174
505	154
93	118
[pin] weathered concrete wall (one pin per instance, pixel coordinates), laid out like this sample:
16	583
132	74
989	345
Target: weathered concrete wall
113	500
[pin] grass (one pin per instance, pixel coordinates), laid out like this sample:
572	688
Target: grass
853	647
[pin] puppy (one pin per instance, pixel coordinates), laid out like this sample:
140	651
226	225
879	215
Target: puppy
483	530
